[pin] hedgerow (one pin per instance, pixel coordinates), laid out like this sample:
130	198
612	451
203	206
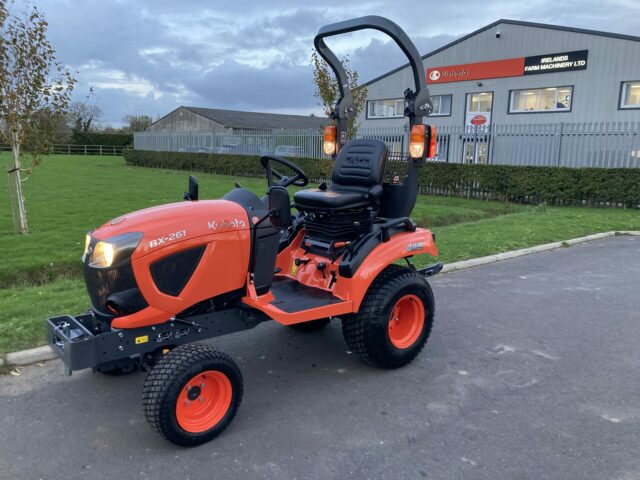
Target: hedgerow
554	185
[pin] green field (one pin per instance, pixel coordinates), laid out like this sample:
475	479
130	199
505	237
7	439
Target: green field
69	195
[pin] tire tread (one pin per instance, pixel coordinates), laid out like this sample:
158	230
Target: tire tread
362	331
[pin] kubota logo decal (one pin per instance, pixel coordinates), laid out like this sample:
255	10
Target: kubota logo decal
412	247
226	224
434	75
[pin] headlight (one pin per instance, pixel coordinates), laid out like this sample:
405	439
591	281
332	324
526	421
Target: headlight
102	255
112	250
87	242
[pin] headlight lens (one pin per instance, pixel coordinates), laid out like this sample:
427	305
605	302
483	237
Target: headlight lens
112	250
103	254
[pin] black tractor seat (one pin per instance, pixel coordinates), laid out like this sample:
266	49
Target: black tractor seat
330	199
356	181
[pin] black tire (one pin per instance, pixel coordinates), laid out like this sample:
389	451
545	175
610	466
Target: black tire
367	332
168	378
312	326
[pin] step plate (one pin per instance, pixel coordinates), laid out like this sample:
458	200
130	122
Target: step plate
292	296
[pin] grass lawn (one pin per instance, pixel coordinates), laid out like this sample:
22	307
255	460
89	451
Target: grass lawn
69	195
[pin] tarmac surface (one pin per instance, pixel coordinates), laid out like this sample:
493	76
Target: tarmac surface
532	372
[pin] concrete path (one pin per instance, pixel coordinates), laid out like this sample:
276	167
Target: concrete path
532	372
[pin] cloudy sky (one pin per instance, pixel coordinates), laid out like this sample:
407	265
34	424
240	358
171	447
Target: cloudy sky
150	56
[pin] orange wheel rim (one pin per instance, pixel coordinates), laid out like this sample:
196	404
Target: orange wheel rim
204	401
406	321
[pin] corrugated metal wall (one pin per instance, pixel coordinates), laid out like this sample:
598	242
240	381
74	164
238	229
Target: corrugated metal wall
596	90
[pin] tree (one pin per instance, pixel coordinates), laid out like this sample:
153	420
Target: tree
137	123
83	116
327	88
34	93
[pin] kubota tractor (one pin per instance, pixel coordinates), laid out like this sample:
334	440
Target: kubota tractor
165	277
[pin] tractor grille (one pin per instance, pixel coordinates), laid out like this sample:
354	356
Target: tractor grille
102	282
338	227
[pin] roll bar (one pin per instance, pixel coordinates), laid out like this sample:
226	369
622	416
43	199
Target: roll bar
418	101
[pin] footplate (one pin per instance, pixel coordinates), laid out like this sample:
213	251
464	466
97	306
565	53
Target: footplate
80	343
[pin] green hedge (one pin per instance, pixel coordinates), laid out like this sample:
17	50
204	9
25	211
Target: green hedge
96	138
554	185
224	164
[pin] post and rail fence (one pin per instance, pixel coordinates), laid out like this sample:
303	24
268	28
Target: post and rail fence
68	149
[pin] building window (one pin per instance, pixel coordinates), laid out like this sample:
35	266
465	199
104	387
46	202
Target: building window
479	102
441	105
630	95
393	108
551	99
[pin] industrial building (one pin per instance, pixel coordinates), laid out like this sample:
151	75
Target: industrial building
201	120
511	73
211	130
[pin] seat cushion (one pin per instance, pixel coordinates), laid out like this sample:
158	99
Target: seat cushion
314	198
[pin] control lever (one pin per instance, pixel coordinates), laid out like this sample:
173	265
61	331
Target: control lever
322	266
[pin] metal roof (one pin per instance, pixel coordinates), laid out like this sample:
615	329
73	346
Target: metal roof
509	22
258	120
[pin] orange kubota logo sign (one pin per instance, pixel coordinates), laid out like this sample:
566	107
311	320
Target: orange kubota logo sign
226	224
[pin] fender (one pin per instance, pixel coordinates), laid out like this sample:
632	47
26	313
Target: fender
399	246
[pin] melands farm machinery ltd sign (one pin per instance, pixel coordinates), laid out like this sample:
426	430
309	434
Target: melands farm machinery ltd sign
510	67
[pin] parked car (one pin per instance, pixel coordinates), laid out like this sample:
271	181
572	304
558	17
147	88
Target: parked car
226	148
289	151
194	149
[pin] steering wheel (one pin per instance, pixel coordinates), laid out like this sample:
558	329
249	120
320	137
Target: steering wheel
299	179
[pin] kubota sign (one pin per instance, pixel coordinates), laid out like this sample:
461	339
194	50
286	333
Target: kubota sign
510	67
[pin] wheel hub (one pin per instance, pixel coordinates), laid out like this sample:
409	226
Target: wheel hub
406	321
193	393
204	401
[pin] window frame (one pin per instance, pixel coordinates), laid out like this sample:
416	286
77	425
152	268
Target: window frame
466	101
510	98
383	100
450	108
620	95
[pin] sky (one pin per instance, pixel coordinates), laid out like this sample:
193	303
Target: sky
151	56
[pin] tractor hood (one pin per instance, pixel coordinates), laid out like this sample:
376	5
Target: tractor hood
167	224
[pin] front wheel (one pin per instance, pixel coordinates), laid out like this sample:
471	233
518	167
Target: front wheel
192	394
394	321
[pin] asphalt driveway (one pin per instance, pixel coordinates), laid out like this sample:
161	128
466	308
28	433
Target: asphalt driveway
532	372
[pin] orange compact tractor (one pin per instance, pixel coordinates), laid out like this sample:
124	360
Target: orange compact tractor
165	277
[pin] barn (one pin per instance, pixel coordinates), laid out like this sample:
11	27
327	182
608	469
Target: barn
203	120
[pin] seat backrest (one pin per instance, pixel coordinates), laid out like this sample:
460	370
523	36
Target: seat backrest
360	164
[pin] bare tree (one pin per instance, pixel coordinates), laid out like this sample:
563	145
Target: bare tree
137	123
327	88
83	115
34	93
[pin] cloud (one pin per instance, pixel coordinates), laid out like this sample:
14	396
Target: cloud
149	56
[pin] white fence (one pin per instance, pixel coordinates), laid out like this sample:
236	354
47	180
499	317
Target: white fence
110	150
607	145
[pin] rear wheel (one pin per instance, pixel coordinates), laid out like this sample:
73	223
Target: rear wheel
312	326
394	321
192	394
